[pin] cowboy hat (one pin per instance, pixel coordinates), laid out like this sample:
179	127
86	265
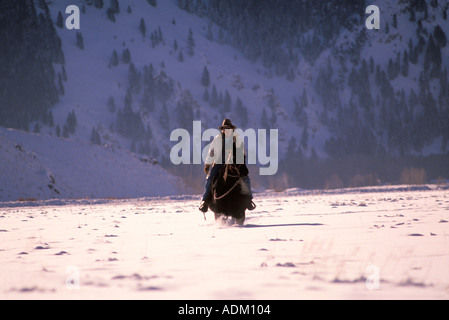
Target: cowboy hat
227	124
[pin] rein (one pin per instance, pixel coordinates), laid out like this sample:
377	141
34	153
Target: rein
226	174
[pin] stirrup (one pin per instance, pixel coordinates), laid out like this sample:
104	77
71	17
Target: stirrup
204	207
251	206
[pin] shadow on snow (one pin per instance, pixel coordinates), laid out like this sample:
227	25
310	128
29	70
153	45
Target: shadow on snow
281	225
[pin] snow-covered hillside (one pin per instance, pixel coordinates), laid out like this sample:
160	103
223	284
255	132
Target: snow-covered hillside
37	166
136	70
91	81
364	91
269	100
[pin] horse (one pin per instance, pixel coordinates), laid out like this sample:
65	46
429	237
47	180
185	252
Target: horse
229	193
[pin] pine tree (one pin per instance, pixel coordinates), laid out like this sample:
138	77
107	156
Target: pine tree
440	36
371	65
98	4
163	86
397	65
304	100
148	133
148	80
160	37
37	128
432	57
180	56
412	15
220	99
134	79
79	40
304	138
190	43
153	39
65	131
115	8
51	121
111	104
152	2
413	53
128	101
181	4
70	125
290	74
164	119
64	74
188	6
206	95
184	113
126	56
60	85
60	20
129	123
95	137
148	100
214	97
221	39
205	78
110	14
273	120
299	113
142	27
428	54
404	67
241	112
390	70
291	148
113	62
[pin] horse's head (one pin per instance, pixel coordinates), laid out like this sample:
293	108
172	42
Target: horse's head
228	198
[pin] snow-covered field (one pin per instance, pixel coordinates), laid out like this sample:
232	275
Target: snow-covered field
369	243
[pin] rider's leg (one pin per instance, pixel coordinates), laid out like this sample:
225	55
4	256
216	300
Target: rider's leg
206	188
247	182
208	184
250	205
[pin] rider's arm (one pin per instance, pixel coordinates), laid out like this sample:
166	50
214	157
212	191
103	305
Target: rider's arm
240	150
214	153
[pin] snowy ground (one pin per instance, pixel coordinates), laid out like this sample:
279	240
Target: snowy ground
40	166
370	243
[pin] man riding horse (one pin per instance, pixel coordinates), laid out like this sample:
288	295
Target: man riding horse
232	151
